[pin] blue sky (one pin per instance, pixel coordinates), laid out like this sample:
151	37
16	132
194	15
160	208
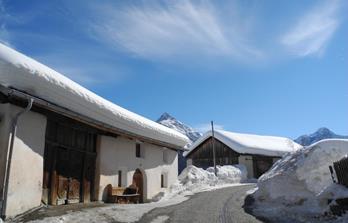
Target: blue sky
264	67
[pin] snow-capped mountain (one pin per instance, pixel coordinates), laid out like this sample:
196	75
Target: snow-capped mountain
171	122
322	133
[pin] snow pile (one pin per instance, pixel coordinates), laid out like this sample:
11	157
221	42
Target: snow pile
193	179
300	185
250	144
230	174
25	74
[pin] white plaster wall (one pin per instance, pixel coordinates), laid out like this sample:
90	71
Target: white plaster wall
25	184
188	162
248	162
119	154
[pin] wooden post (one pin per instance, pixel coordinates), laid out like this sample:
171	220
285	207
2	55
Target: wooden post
54	181
213	142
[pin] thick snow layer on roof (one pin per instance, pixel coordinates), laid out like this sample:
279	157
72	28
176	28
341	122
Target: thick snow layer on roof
299	186
251	144
23	73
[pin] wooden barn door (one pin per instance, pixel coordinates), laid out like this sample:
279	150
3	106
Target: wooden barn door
138	181
69	164
261	165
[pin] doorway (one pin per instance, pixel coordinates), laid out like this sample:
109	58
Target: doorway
138	181
69	163
261	165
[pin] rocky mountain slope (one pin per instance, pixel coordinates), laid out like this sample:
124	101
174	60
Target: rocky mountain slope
171	122
322	133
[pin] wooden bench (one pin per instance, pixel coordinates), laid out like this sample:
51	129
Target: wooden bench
113	192
116	195
128	198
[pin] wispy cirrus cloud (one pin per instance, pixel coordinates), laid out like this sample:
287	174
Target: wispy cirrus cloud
4	34
313	31
180	28
87	67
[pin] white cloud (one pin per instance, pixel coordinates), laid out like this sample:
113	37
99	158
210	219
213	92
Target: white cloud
156	31
207	126
4	34
86	67
312	32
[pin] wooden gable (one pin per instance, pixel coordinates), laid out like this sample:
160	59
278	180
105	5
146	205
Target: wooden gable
202	156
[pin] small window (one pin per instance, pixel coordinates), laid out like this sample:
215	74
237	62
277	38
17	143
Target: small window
119	178
138	150
164	180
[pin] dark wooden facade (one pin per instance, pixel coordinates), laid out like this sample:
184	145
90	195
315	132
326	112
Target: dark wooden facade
202	156
69	161
261	164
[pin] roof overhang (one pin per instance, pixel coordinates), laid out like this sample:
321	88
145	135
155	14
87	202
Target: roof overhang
12	95
237	146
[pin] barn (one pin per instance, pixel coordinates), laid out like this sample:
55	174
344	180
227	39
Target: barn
257	153
62	144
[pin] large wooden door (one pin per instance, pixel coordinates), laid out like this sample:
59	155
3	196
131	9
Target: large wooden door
88	178
75	176
69	164
61	176
138	181
261	165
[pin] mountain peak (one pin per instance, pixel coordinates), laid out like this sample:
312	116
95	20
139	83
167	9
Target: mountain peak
320	134
324	130
165	116
169	121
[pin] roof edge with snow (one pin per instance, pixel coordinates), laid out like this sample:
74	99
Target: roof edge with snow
250	144
27	75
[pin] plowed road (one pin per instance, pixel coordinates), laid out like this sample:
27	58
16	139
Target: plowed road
223	206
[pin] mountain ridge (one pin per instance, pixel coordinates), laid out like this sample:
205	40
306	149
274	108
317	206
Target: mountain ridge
169	121
320	134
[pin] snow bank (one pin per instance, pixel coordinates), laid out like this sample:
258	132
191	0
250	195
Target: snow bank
25	74
299	185
251	144
193	180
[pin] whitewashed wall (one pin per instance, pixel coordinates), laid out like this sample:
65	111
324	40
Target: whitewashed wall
116	154
25	184
248	162
188	161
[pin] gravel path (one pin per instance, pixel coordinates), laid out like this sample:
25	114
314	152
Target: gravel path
223	206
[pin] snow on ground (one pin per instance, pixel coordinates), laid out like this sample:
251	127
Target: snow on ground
192	180
299	186
111	213
160	219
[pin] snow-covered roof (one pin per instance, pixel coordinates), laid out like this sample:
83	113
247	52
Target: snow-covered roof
250	144
26	74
